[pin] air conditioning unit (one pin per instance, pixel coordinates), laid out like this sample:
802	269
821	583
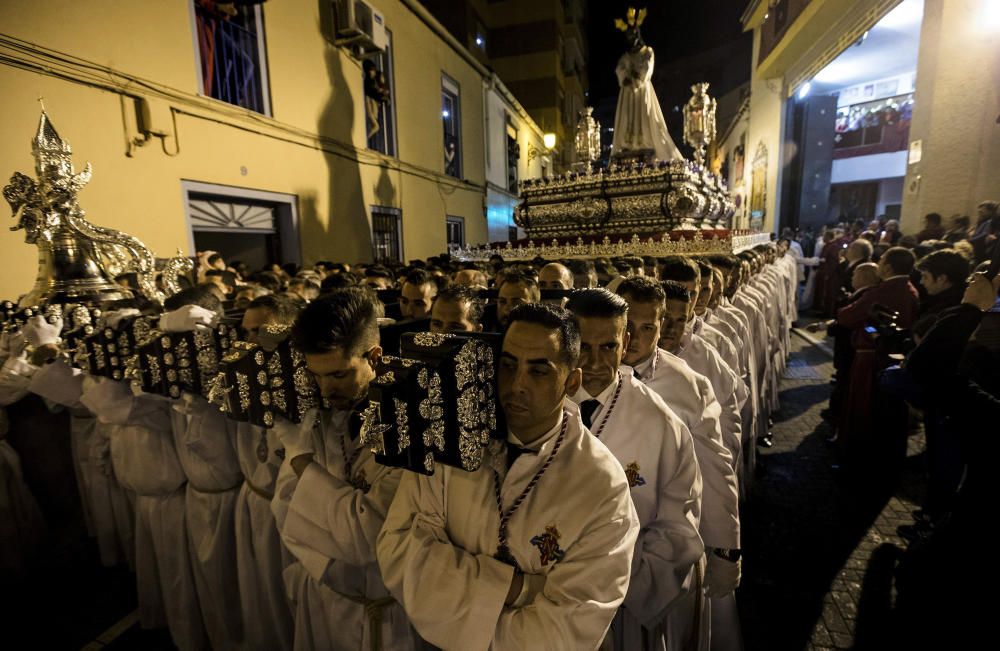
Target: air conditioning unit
360	27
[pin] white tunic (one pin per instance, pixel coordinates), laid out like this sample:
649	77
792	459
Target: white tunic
691	396
110	509
260	555
657	453
205	450
704	360
573	536
22	528
145	462
330	518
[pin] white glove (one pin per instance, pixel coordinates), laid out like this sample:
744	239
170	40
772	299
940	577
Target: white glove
721	576
296	439
39	332
186	318
113	318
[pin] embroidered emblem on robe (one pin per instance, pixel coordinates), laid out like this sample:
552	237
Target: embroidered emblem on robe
548	545
360	482
633	476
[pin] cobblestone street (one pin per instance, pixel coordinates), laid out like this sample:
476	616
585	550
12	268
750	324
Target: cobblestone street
821	551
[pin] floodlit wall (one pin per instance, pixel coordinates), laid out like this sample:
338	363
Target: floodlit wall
102	57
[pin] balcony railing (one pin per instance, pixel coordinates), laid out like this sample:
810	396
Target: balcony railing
231	67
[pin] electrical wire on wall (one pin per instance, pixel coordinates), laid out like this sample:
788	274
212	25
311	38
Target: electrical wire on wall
32	57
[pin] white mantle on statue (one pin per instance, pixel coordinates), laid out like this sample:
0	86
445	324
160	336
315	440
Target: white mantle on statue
639	123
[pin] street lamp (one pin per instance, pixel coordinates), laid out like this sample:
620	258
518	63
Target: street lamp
549	142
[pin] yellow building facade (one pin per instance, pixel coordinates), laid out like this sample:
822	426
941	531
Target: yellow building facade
123	83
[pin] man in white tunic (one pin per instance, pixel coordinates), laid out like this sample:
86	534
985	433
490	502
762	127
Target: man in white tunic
260	555
331	497
703	359
205	451
656	450
145	462
687	272
534	549
692	398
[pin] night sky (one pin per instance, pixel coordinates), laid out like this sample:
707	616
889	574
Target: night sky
694	40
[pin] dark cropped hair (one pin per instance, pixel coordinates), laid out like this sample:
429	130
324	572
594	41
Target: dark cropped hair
679	268
933	218
634	261
519	276
580	266
725	261
200	295
266	279
642	289
339	281
946	262
345	319
420	277
703	267
378	271
900	260
675	291
283	310
553	318
596	302
459	293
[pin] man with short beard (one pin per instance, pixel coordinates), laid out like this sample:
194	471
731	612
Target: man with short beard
456	309
534	549
417	295
331	496
516	288
657	452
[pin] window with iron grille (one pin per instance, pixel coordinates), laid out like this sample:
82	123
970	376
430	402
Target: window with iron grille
386	241
456	232
380	114
231	54
450	116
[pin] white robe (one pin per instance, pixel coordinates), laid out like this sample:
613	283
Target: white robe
109	508
656	451
22	528
145	462
704	360
690	395
737	320
260	555
639	123
205	451
573	536
330	522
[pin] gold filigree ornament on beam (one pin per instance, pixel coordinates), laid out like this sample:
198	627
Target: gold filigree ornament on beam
77	261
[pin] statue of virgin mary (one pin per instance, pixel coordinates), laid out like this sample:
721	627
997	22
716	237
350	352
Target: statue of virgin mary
640	130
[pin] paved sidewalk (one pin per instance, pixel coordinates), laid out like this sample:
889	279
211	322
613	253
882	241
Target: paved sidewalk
821	550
